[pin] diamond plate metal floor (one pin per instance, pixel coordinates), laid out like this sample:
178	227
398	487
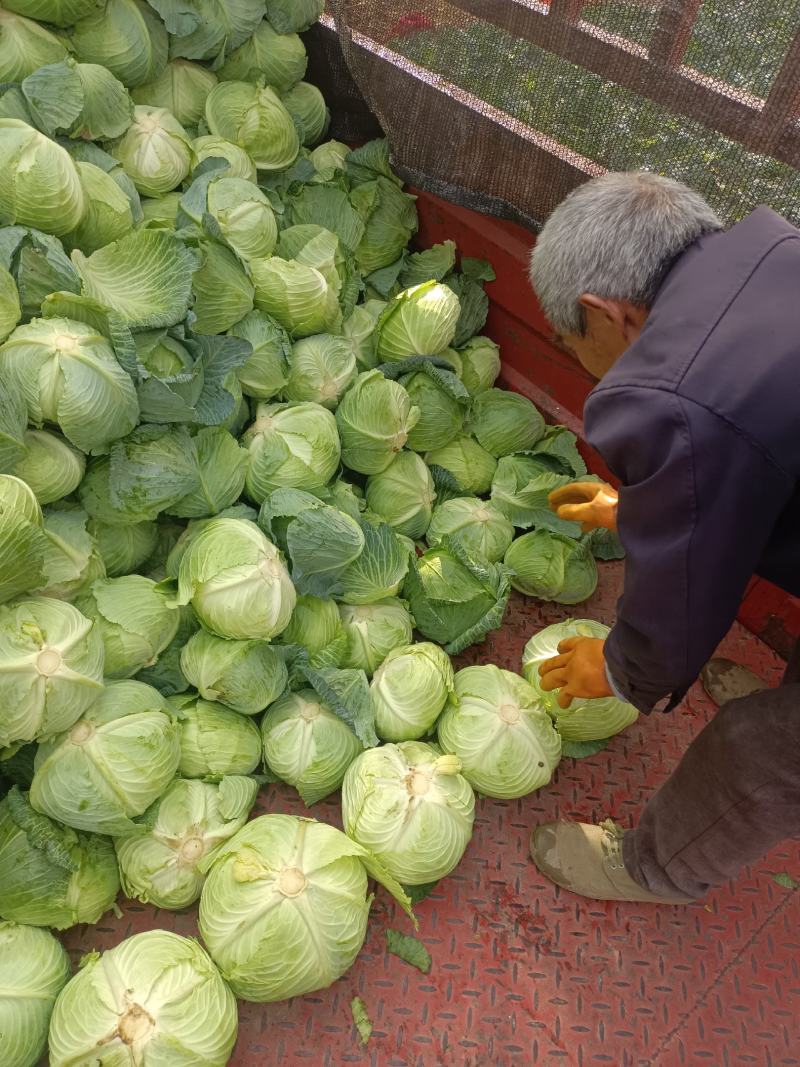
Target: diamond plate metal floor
525	974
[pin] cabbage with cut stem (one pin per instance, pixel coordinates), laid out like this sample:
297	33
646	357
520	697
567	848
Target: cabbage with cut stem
320	370
412	807
156	992
70	377
112	764
236	581
52	663
159	862
304	902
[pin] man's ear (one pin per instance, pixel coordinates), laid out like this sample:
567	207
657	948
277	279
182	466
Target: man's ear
628	318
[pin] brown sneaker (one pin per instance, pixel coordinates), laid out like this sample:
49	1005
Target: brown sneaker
725	680
587	860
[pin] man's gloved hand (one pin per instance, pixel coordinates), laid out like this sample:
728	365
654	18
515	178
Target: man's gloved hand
578	671
592	504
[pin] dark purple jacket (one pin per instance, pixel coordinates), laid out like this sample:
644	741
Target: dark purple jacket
700	421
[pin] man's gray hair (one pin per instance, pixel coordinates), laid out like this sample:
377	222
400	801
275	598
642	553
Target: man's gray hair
616	237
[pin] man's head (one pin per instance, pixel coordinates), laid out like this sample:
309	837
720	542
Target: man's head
604	252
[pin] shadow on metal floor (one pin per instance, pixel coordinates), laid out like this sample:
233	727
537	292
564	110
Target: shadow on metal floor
525	974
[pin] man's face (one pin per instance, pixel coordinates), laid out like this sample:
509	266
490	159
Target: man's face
611	327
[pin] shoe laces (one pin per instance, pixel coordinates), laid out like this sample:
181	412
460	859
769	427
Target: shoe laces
611	844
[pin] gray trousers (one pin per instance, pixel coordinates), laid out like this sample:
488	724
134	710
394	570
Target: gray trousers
732	798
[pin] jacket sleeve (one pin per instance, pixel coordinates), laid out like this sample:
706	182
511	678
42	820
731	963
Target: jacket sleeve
698	502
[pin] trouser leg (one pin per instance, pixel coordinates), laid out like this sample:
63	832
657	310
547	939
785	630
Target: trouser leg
734	795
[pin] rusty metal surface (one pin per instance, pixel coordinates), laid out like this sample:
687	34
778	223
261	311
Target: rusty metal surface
525	974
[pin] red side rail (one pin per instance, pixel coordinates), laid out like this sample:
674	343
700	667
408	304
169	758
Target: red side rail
551	378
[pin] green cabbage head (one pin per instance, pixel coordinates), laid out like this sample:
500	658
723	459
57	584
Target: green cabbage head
244	675
23	544
266	369
412	807
156	151
214	739
552	567
375	417
113	763
72	562
316	626
419	322
409	691
70	377
583	720
505	422
126	36
480	364
181	88
244	216
440	398
373	631
123	549
236	581
51	658
156	992
239	163
26	45
521	487
291	446
307	745
159	863
253	117
456	598
297	295
499	729
39	182
320	370
470	464
478	526
300	887
276	56
403	494
306	104
34	968
51	875
134	620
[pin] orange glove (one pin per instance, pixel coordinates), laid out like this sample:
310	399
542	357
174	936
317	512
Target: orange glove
592	504
578	671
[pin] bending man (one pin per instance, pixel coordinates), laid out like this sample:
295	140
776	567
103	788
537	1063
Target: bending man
695	335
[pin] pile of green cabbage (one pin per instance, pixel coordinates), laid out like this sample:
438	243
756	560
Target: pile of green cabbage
256	486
